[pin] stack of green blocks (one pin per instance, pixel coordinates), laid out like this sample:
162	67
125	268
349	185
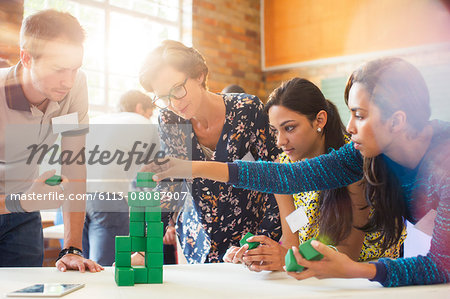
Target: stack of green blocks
146	234
307	251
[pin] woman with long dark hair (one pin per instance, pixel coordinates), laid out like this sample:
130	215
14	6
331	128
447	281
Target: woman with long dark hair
402	157
307	125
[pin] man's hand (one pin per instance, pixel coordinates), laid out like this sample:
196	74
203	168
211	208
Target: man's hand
76	262
40	187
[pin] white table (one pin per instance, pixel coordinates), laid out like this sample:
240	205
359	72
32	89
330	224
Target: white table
213	281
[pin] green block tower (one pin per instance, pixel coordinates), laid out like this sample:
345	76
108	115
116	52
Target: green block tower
146	234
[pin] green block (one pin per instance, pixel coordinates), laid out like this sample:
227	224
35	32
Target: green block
123	259
251	245
123	243
155	229
155	275
124	276
153	214
291	262
144	179
140	274
308	252
138	244
137	229
137	214
154	259
154	244
143	199
54	180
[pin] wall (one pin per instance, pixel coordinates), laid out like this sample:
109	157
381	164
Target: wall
430	54
227	33
304	30
11	12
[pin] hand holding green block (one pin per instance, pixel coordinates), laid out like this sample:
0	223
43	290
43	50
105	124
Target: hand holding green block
308	253
54	180
291	262
145	180
251	245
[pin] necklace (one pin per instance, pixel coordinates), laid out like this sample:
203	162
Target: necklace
39	103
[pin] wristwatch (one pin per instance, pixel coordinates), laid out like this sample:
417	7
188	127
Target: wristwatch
70	250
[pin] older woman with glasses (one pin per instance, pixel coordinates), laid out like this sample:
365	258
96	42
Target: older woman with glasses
215	127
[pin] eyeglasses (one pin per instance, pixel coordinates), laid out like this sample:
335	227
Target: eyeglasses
177	92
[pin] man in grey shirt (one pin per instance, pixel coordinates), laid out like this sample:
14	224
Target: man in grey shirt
44	88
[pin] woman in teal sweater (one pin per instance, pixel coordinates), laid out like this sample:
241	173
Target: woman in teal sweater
402	157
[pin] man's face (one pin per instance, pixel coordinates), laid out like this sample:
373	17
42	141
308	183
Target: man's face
53	73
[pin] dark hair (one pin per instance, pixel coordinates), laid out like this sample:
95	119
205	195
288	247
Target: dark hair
233	88
393	84
130	99
302	96
47	25
174	54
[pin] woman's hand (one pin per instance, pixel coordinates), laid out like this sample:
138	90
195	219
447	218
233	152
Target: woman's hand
169	168
170	237
268	256
234	254
138	259
333	265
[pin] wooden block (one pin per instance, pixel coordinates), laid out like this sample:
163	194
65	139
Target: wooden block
153	214
123	259
251	245
291	262
155	275
140	274
154	259
155	229
54	180
154	244
308	252
137	229
143	199
138	244
124	276
123	244
137	214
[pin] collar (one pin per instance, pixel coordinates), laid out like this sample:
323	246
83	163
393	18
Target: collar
14	95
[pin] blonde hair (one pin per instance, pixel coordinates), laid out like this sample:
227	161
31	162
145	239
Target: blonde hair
175	54
47	25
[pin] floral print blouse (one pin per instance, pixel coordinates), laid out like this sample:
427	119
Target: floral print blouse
217	215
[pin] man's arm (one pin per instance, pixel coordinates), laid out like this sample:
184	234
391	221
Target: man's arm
74	210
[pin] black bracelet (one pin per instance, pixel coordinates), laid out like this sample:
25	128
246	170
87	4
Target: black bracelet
12	203
70	250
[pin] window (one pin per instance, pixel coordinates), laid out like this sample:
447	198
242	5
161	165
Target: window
119	35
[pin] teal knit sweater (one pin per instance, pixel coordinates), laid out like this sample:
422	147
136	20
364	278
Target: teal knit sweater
426	187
